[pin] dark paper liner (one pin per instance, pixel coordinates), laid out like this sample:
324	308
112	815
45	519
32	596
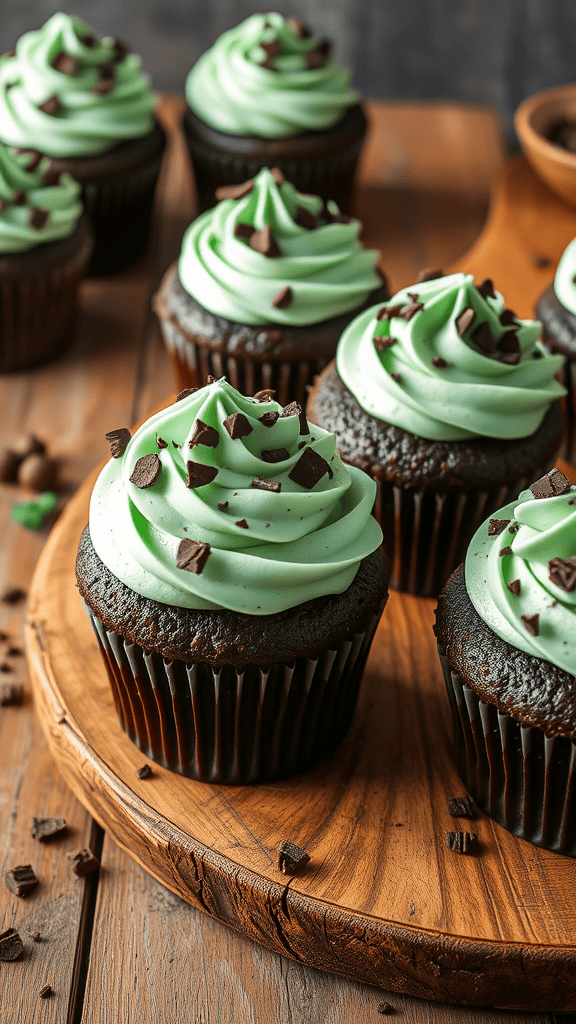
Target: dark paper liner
226	725
559	335
523	779
427	532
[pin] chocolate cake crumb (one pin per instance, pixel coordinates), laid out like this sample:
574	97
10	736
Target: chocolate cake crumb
222	505
563	573
464	320
65	63
11	694
11	945
290	857
146	471
496	526
199	475
532	623
266	485
310	469
305	219
192	555
514	587
185	393
46	828
268	419
264	242
273	455
234	191
144	772
460	807
429	275
243	230
551	485
204	435
461	842
384	341
46	991
118	441
238	425
283	298
50	106
385	1007
242	523
505	551
21	879
83	862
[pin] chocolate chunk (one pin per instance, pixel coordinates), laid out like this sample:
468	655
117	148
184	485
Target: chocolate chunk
65	63
482	337
305	219
176	445
563	573
465	320
11	694
486	289
199	475
396	377
532	624
385	1007
290	857
12	595
222	505
192	555
83	862
277	175
50	106
461	842
211	380
161	442
507	317
268	419
120	50
9	463
102	87
11	945
384	341
541	261
50	177
315	59
34	155
185	393
266	485
550	485
21	879
263	241
234	191
242	230
106	71
275	455
205	435
429	275
295	409
238	425
242	523
505	551
146	471
387	312
144	772
87	40
19	197
514	587
46	828
46	991
460	807
299	28
118	441
38	218
309	469
509	348
410	310
439	362
495	526
271	48
283	298
267	63
266	395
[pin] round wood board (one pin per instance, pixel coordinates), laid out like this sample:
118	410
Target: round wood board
383	900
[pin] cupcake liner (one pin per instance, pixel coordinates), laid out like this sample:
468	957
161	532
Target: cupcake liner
229	725
427	532
523	779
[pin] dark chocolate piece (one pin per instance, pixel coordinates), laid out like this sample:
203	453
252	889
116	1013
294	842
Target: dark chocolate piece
268	419
83	862
11	945
21	879
192	555
50	177
234	191
460	807
483	338
277	175
461	842
121	50
383	341
222	505
464	320
264	242
106	71
205	435
292	409
509	348
144	772
242	230
290	857
19	197
486	289
185	393
439	362
46	828
507	318
161	442
199	475
271	48
46	991
299	28
266	485
266	395
563	573
274	455
102	87
309	469
238	425
65	63
514	587
87	40
242	523
283	298
396	377
429	275
315	59
35	156
305	219
11	694
385	1007
411	309
118	441
495	526
551	485
50	106
532	623
146	471
505	551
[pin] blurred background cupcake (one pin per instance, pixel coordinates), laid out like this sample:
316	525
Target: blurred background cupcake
450	402
84	101
45	246
506	629
268	94
557	311
265	284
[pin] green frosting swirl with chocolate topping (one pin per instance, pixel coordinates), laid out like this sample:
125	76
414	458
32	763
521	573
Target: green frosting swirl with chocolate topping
35	205
521	571
69	93
564	281
273	255
270	78
221	501
446	361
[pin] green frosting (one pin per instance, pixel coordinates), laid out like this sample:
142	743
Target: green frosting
32	212
230	90
326	267
540	530
270	549
564	285
430	374
86	116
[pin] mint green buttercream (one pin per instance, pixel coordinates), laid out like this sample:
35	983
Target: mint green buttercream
327	267
473	394
564	285
61	202
85	123
540	530
299	543
230	91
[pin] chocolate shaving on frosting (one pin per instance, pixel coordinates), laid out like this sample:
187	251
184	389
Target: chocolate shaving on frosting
242	230
146	471
118	441
275	455
205	435
266	485
192	555
266	395
495	526
299	28
532	623
384	341
464	320
514	587
65	63
283	298
268	419
483	338
264	242
185	393
429	275
551	485
199	475
50	106
486	289
238	425
563	573
309	469
37	218
305	219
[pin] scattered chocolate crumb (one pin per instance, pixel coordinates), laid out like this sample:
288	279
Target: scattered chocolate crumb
439	362
496	526
541	261
305	218
242	230
12	595
429	275
21	880
222	505
46	991
50	106
204	435
266	395
192	555
11	694
121	50
384	341
274	454
264	242
83	862
299	28
234	191
118	441
464	320
161	442
11	945
268	419
36	936
551	484
514	528
508	317
385	1007
483	338
563	573
242	523
65	63
461	842
19	197
514	587
46	828
532	623
146	471
144	772
505	551
283	298
486	289
396	377
267	485
310	469
460	807
238	425
199	475
185	393
290	857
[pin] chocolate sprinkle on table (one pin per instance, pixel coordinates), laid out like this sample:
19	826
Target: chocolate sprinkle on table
46	991
439	362
505	551
514	587
563	573
238	425
411	309
283	298
45	828
495	526
266	395
50	106
106	70
268	419
429	275
460	807
38	218
234	191
21	879
11	945
242	230
185	393
551	485
144	772
204	435
483	338
192	555
532	623
274	455
299	28
146	471
461	842
486	289
309	469
266	485
264	242
83	862
290	857
11	694
199	475
242	523
384	341
465	320
222	505
305	218
118	441
65	63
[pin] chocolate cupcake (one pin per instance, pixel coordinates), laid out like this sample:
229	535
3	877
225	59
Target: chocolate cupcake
233	576
45	246
268	94
506	629
557	311
265	284
449	401
84	102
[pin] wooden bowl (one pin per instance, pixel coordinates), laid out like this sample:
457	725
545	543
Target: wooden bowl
533	119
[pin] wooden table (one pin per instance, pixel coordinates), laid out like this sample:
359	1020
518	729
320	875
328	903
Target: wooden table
118	946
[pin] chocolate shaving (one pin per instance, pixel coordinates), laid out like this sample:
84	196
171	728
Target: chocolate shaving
541	261
37	218
507	317
106	71
532	623
396	377
102	87
34	155
460	807
509	348
21	879
118	441
411	309
268	419
199	475
263	241
50	106
266	395
222	505
185	393
275	455
429	275
83	862
242	230
486	289
315	59
465	320
309	469
439	362
144	772
505	551
384	341
192	555
483	338
514	587
19	197
234	191
266	485
50	177
496	526
120	50
65	63
238	425
11	694
272	48
295	409
242	523
299	28
46	991
161	442
205	435
290	857
305	219
146	471
283	298
87	40
11	945
563	573
387	312
46	828
461	842
551	485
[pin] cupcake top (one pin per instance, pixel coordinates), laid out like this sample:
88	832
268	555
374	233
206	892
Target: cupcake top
226	502
69	93
269	77
445	360
37	205
565	280
269	254
521	571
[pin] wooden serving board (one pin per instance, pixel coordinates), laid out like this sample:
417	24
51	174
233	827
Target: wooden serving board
383	899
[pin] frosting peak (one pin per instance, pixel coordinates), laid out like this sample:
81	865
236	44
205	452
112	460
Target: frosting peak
35	207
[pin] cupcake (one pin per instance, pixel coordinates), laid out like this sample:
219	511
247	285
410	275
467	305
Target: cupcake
449	401
265	284
45	246
232	572
557	311
84	102
268	94
506	629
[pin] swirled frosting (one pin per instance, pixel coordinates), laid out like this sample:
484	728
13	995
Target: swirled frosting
445	360
69	93
325	267
512	576
564	285
284	519
267	78
33	211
